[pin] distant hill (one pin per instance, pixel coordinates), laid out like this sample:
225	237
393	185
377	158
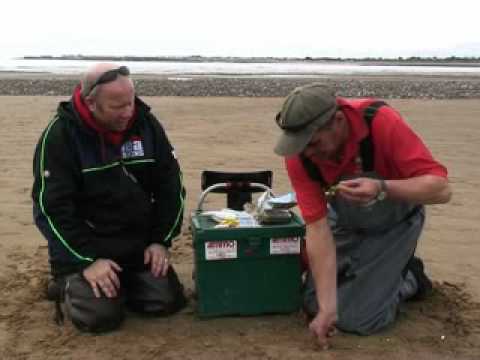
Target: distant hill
414	60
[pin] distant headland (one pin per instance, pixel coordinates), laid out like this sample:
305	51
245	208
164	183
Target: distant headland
410	61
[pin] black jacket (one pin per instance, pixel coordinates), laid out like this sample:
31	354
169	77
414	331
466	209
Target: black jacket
95	200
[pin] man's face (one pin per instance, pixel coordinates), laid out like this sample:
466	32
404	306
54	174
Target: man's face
113	104
327	142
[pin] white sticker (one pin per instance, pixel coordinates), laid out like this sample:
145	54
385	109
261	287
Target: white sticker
132	148
280	246
219	250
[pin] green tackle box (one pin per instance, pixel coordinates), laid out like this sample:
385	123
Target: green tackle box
247	270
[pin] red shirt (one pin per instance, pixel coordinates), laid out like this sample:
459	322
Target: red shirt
399	154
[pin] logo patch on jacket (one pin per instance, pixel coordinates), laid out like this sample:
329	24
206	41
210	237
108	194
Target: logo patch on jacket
132	148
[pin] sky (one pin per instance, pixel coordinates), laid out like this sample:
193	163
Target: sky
296	28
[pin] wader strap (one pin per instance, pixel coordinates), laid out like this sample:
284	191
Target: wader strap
366	145
312	171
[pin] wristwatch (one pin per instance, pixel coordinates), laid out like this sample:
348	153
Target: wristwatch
382	194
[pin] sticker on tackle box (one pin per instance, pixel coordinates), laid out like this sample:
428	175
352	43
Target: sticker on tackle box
219	250
282	246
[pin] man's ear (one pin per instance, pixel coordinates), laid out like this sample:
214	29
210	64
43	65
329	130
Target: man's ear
91	104
340	118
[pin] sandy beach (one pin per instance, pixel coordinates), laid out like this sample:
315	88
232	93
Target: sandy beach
233	134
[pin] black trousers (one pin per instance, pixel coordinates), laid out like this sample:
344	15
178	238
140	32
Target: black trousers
140	292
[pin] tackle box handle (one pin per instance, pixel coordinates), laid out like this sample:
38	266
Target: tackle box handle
227	186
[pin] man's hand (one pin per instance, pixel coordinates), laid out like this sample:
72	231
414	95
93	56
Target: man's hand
323	327
360	190
102	275
158	257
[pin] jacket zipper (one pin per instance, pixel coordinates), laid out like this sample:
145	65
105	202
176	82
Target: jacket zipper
128	173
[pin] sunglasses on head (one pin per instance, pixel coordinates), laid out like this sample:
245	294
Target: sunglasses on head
109	76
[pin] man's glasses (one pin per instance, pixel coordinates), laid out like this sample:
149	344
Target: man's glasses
108	76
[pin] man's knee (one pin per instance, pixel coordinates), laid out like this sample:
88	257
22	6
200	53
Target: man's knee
366	324
157	296
89	313
351	318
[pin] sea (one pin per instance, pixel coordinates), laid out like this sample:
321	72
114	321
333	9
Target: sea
236	69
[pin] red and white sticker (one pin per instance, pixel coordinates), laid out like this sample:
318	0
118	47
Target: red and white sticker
280	246
219	250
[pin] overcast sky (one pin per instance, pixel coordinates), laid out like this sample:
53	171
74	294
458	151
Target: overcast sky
294	28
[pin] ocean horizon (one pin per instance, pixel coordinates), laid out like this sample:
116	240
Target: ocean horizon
218	68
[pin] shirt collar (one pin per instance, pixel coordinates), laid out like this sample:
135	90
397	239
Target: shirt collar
358	127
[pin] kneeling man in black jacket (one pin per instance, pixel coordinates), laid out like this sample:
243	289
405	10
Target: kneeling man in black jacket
108	197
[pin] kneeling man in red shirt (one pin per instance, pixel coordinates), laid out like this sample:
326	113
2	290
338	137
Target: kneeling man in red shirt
362	177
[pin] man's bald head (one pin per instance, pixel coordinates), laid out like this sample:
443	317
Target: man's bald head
109	94
89	86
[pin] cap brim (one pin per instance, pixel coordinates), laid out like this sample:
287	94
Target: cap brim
292	143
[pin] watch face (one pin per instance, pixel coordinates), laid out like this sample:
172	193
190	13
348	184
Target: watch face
381	195
383	191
